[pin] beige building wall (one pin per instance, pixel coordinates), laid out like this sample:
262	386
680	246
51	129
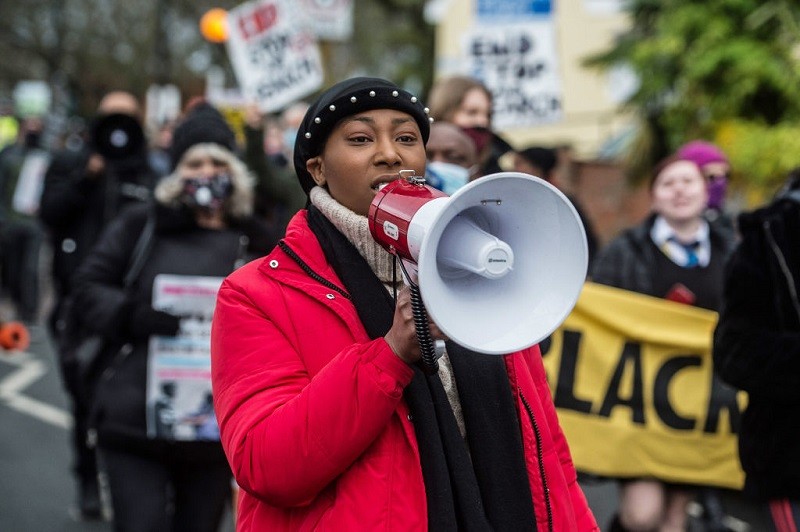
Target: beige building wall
591	116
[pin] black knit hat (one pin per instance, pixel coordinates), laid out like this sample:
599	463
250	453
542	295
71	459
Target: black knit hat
344	99
203	123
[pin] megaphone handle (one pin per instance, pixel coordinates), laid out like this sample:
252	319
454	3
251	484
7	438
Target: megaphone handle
428	349
426	343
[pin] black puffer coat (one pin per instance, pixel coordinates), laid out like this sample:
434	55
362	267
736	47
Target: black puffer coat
179	247
757	345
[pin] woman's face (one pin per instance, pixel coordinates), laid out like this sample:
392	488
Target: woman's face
475	110
679	192
365	150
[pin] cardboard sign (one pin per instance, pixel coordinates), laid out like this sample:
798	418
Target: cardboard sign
275	57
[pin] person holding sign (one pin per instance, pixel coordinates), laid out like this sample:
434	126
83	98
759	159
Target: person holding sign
677	255
757	349
325	415
154	369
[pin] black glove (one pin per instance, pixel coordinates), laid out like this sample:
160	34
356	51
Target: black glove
145	321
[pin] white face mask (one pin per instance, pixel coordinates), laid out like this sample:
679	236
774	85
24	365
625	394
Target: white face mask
447	177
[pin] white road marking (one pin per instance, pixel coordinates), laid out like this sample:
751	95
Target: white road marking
29	370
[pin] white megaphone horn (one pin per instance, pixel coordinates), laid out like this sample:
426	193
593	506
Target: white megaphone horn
500	264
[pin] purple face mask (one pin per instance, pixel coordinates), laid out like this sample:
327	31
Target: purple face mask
717	187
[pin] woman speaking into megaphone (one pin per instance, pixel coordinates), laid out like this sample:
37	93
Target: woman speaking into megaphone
327	419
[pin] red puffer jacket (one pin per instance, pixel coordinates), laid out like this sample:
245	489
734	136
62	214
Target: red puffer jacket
312	415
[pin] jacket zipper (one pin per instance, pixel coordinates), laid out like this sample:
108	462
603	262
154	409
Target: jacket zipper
784	267
540	459
306	268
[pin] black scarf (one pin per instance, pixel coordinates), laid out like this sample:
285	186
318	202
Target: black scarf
478	486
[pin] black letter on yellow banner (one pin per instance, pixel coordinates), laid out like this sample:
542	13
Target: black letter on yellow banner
565	394
661	392
630	353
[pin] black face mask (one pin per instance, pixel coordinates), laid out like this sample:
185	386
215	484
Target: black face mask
207	193
32	139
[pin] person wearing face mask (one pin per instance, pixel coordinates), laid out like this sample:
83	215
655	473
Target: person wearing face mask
467	102
452	158
203	228
673	254
22	168
716	166
328	420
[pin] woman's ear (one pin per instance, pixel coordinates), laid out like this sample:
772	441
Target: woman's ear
314	167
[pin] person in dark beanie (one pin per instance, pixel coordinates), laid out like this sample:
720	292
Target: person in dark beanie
325	415
148	289
202	123
542	162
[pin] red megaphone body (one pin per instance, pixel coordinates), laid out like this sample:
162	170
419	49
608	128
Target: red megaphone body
392	210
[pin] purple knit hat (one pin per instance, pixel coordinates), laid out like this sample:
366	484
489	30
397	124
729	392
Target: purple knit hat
702	153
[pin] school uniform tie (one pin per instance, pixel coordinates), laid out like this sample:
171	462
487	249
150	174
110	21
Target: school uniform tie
690	249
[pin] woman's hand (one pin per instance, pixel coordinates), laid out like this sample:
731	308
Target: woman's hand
402	337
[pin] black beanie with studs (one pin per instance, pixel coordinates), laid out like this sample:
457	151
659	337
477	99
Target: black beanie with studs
344	99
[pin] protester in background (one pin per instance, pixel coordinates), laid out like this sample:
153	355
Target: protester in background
757	349
542	162
83	191
22	168
158	155
278	195
203	227
9	124
467	103
452	158
325	415
717	168
674	254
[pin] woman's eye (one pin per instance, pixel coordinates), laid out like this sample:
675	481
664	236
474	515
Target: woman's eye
359	139
407	138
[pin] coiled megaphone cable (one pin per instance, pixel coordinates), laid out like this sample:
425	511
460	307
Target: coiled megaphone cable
427	346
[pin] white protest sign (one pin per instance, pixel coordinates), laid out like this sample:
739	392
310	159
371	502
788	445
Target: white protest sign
179	404
30	182
330	20
274	56
519	64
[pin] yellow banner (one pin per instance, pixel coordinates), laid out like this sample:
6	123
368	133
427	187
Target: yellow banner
632	380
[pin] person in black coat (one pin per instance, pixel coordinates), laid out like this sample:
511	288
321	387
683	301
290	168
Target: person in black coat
83	190
757	349
204	228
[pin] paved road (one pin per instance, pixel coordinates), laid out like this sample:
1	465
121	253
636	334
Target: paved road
36	492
